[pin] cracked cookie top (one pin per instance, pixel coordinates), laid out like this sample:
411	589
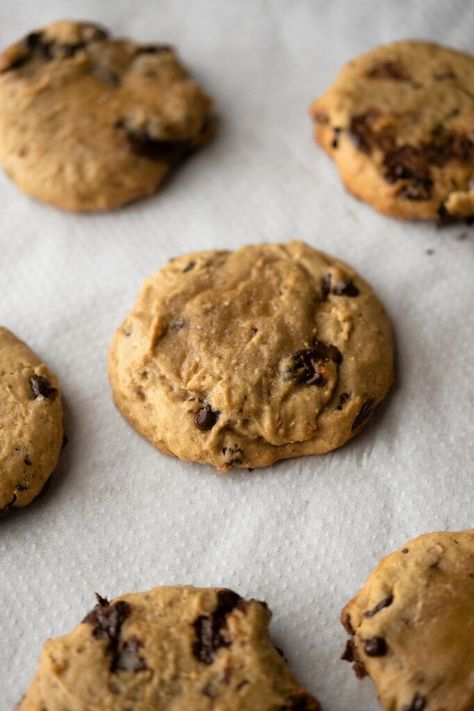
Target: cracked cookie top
412	625
399	122
88	122
177	648
238	359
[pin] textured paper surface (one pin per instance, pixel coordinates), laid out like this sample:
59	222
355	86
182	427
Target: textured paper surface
304	534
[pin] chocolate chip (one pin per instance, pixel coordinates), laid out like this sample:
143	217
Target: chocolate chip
404	550
304	369
344	287
300	702
232	455
128	658
107	621
364	412
375	647
417	703
205	418
32	40
348	654
388	70
142	143
27	461
359	669
335	141
386	602
41	386
21	487
361	130
189	266
409	163
210	630
343	398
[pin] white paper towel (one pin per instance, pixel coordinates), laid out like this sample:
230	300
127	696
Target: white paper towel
304	534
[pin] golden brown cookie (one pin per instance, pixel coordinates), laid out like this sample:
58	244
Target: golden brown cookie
88	122
31	423
399	123
176	649
239	359
412	625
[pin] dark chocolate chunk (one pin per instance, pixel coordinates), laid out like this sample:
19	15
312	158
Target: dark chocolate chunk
409	163
107	621
388	70
41	386
359	669
300	702
189	266
386	602
143	144
128	658
205	418
375	647
21	487
348	654
27	461
362	132
364	412
343	398
210	630
417	703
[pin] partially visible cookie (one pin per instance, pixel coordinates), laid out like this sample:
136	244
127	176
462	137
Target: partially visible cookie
412	625
88	122
399	123
172	648
239	359
31	423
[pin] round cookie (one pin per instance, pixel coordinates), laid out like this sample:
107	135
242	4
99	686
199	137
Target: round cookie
413	625
399	123
88	122
31	423
239	359
177	648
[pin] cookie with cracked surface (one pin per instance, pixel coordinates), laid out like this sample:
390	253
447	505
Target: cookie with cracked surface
399	123
90	123
174	648
412	625
239	359
31	423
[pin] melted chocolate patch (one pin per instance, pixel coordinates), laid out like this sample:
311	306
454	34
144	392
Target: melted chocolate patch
386	602
205	418
364	412
142	143
305	369
107	621
41	386
409	163
210	630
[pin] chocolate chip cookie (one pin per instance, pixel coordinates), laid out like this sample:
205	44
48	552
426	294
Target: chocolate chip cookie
31	423
239	359
177	648
412	625
399	123
88	122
